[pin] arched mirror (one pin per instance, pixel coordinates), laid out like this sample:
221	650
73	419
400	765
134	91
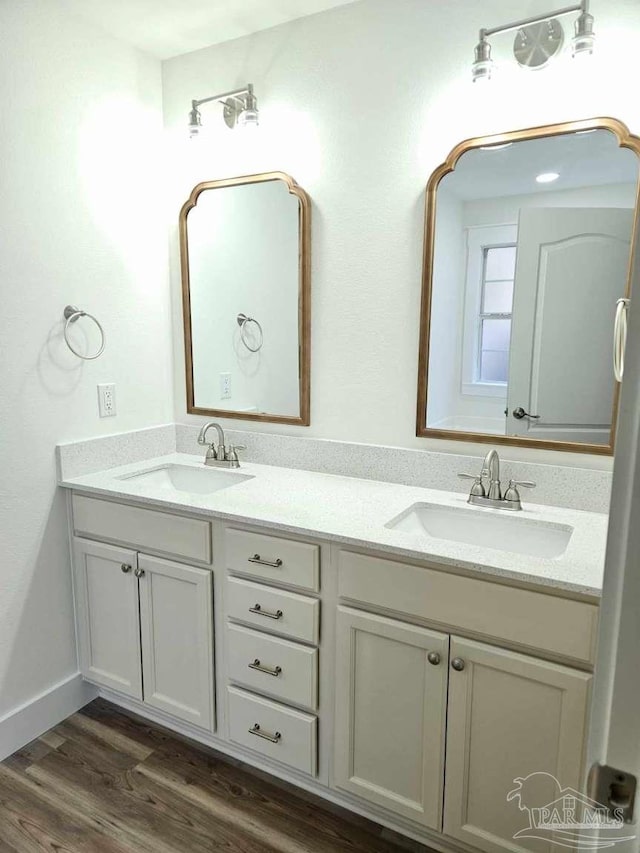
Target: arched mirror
528	244
245	247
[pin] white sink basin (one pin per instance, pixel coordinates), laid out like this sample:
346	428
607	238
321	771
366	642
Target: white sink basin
184	478
485	527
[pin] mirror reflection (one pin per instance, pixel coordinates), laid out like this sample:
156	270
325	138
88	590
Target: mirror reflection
245	263
531	246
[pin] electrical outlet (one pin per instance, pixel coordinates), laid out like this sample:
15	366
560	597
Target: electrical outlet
225	386
107	400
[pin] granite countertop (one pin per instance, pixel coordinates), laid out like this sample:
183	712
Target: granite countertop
354	512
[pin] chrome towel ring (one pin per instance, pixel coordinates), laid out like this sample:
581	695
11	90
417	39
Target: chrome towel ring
71	315
242	320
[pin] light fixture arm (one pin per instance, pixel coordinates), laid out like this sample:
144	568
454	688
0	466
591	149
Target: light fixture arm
582	7
235	94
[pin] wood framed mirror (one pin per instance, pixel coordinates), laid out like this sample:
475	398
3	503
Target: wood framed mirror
528	246
245	253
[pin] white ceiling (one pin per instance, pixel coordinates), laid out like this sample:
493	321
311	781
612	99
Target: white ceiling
166	28
581	160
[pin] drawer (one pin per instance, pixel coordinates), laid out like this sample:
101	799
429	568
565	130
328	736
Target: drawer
272	558
144	529
290	671
288	736
519	616
267	608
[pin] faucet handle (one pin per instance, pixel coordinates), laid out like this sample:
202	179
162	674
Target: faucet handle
512	495
477	489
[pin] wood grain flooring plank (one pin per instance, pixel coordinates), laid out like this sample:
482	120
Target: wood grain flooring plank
154	817
305	815
206	778
32	822
137	728
107	781
283	832
52	739
105	734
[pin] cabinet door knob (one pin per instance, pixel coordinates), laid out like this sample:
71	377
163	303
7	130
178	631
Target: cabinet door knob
433	658
139	572
126	568
457	664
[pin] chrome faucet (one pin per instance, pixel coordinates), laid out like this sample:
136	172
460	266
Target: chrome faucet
220	456
492	496
491	470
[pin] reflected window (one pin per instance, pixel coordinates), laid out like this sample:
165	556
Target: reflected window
496	305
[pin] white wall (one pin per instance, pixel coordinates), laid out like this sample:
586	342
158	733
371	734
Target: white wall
81	223
243	258
360	104
447	305
498	211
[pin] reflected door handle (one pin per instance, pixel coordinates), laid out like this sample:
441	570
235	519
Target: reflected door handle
620	338
520	413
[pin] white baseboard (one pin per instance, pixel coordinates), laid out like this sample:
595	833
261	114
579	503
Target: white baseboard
32	719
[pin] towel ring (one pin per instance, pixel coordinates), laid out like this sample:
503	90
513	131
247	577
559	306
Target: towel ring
71	314
242	320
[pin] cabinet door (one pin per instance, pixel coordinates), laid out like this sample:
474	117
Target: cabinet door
509	716
106	592
176	613
390	714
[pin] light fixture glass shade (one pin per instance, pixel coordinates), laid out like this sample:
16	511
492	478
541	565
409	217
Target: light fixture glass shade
482	64
249	118
584	39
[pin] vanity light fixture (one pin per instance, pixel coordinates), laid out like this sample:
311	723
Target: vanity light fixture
240	107
538	39
547	177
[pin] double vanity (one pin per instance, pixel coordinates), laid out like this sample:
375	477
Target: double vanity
394	649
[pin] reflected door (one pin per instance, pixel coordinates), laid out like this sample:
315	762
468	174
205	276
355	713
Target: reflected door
570	270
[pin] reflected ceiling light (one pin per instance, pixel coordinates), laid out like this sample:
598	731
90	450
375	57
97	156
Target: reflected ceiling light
240	108
538	40
547	177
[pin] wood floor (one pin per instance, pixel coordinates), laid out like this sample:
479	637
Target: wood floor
108	782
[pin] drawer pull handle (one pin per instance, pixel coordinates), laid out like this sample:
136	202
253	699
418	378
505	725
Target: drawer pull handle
268	670
274	564
255	730
257	608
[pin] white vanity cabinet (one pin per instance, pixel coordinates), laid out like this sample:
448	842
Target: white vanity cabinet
145	629
107	613
391	707
402	689
273	681
509	715
417	693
